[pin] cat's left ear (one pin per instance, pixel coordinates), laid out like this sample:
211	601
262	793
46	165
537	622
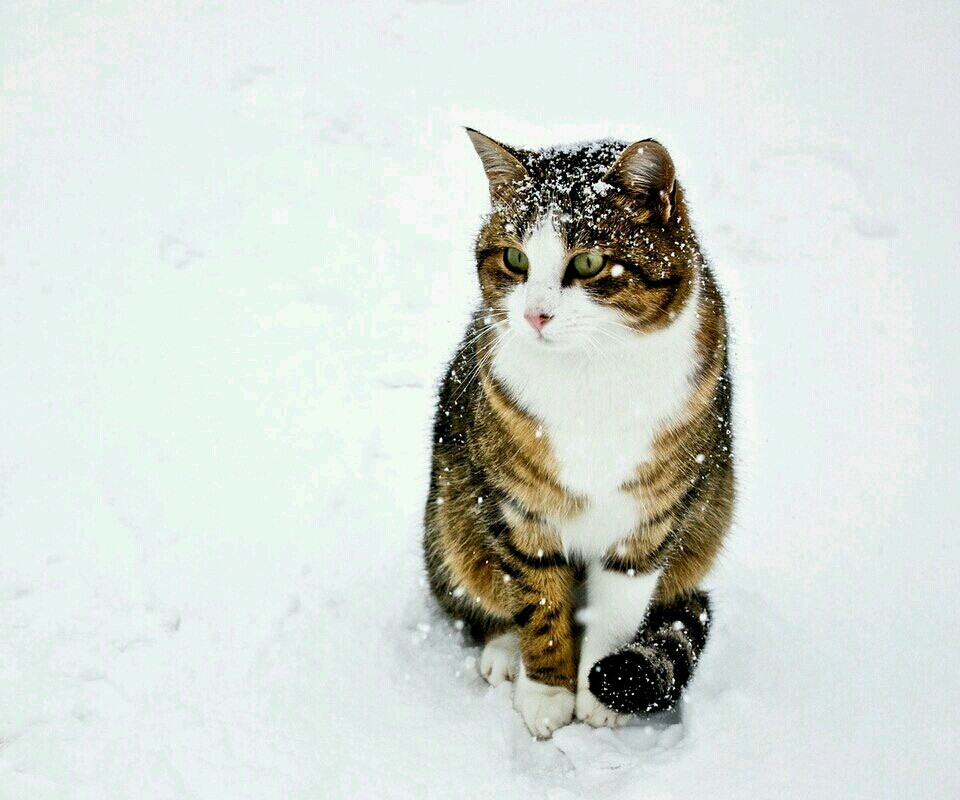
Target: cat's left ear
499	163
645	168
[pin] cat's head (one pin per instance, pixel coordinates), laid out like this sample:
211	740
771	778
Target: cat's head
583	241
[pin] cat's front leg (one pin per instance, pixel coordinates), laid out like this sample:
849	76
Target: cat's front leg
543	601
616	605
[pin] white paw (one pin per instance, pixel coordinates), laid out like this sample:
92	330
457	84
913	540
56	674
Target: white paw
595	713
499	659
543	708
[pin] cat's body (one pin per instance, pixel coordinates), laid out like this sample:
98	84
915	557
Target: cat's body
583	434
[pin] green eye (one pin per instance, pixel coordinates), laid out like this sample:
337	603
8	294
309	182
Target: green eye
588	264
516	260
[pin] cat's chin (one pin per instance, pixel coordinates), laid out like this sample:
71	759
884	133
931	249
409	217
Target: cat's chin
543	344
537	342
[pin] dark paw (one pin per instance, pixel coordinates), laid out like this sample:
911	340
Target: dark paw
650	674
635	680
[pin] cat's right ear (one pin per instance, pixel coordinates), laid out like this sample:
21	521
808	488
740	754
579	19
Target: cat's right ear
499	163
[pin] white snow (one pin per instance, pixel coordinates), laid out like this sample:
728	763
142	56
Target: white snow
235	252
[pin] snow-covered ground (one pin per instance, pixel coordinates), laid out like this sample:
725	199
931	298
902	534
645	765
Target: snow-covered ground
235	251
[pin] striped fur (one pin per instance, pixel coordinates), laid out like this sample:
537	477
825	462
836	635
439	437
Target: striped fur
525	504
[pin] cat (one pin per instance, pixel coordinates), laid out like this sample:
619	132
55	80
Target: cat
583	440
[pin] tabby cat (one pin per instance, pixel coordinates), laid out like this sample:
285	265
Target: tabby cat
582	443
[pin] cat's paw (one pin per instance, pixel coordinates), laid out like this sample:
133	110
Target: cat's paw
500	657
543	708
590	710
638	679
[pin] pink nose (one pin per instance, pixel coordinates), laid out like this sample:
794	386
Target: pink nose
537	319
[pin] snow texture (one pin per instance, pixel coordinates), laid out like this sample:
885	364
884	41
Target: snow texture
235	252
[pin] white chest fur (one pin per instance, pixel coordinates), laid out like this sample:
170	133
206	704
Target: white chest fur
600	411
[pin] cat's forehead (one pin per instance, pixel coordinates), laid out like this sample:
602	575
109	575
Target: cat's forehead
567	165
564	181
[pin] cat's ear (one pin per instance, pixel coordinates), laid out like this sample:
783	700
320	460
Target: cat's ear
645	168
499	163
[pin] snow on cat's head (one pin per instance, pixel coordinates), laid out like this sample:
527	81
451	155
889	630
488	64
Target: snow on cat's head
586	244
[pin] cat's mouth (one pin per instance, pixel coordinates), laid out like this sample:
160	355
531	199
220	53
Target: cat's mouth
548	342
540	337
